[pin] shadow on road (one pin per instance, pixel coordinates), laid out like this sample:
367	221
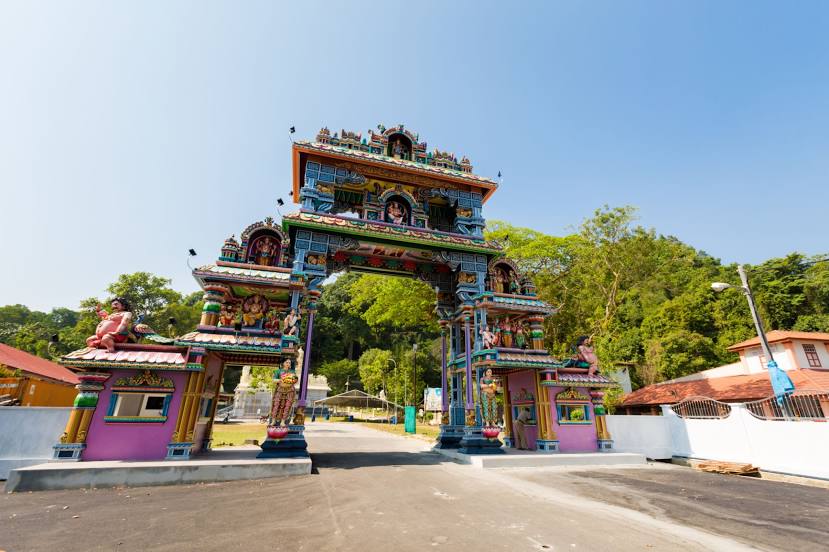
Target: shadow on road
352	460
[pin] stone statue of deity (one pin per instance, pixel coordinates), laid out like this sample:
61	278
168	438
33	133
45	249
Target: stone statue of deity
586	354
290	325
113	328
519	335
253	310
266	251
227	315
487	337
284	394
272	321
488	392
506	332
396	213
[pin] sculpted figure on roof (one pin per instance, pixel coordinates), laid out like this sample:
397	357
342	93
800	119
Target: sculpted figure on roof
114	327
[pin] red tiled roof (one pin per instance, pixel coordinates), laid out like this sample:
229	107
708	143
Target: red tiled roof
28	363
776	336
748	387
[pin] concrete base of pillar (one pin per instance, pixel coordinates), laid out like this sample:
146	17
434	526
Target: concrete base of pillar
605	445
547	445
292	445
450	437
179	451
68	452
475	443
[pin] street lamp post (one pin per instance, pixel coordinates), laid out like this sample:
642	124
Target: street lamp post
395	377
780	381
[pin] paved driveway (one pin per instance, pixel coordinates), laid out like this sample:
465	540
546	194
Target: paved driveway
371	491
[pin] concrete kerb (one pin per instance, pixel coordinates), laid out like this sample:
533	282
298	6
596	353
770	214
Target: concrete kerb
85	475
542	460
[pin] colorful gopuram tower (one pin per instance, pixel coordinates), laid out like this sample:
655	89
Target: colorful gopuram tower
381	204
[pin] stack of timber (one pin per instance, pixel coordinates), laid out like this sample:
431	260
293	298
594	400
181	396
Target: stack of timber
732	468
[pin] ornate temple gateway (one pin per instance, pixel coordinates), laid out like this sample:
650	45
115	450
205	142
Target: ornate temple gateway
383	204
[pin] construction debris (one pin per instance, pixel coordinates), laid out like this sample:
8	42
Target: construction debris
732	468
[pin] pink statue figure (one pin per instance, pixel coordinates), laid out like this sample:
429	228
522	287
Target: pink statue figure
487	337
290	325
113	328
587	354
396	213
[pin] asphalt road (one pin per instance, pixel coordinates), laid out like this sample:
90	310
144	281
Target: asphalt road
375	491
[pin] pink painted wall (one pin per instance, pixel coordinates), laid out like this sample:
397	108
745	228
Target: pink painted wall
132	441
515	383
573	438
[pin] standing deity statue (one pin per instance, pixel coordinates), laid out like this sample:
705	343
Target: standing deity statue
519	335
113	328
506	332
284	394
487	338
488	392
514	285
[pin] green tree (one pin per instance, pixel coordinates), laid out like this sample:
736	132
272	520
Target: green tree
340	372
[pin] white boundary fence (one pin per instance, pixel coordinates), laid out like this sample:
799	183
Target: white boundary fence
793	447
27	434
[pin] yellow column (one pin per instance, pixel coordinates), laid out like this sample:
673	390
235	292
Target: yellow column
549	402
208	432
507	409
72	425
542	401
184	409
193	416
86	419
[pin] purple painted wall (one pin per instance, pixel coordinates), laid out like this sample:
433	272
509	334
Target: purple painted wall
573	438
515	383
132	441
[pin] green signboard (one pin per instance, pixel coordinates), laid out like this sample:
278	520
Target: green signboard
411	418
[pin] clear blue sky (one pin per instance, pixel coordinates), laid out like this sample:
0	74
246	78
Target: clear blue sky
130	132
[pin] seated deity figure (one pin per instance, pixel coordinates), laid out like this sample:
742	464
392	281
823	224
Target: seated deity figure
284	394
395	213
113	328
227	316
487	337
586	354
253	310
488	393
290	325
272	321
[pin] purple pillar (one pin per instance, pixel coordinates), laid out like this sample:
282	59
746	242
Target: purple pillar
444	394
470	401
306	361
